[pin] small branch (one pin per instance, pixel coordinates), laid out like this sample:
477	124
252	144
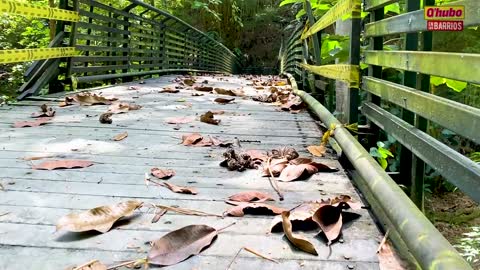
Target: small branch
85	264
234	257
273	181
382	243
186	211
4	214
226	227
260	255
127	263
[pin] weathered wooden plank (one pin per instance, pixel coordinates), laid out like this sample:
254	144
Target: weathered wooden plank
457	66
369	5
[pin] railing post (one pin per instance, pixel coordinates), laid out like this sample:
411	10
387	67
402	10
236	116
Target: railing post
317	52
353	95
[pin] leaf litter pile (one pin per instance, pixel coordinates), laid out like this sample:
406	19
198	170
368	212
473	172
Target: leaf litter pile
323	217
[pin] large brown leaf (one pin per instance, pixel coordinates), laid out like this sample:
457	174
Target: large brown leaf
123	107
275	167
179	120
297	240
254	209
191	139
180	189
251	196
303	168
89	99
35	123
257	155
162	173
300	217
329	219
45	111
99	219
204	88
224	100
178	245
62	164
208	118
169	90
222	91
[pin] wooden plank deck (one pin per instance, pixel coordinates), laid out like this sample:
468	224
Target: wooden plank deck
35	200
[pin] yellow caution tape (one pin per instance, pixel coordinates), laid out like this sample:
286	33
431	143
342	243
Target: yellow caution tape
336	12
16	56
12	7
348	73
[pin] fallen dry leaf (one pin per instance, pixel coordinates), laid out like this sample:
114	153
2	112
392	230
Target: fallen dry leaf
134	87
317	150
300	217
162	173
45	111
303	168
204	88
251	196
224	100
218	112
257	155
178	245
222	91
389	260
197	94
297	240
275	167
35	123
123	107
99	219
169	90
120	136
105	118
253	209
238	161
209	119
179	120
191	139
62	164
180	189
67	102
196	139
89	99
329	219
91	265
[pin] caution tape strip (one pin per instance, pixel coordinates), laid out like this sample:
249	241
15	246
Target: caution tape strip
348	73
12	7
342	8
25	55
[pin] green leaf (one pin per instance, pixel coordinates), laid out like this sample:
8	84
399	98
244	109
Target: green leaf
289	2
300	14
437	80
383	162
363	66
457	86
393	8
385	152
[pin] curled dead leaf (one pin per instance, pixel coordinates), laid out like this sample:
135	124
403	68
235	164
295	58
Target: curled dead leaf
99	219
91	265
45	111
123	107
251	196
300	217
204	88
297	240
317	150
120	136
196	139
62	164
178	245
105	118
254	209
329	219
180	189
89	99
224	100
208	118
222	91
275	167
189	81
303	168
162	173
37	122
169	90
159	214
191	139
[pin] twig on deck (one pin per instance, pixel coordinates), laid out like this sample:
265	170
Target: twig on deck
273	181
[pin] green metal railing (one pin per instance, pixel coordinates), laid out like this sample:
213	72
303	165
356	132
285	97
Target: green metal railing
401	215
97	42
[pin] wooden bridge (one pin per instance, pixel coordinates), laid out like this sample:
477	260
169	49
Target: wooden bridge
139	55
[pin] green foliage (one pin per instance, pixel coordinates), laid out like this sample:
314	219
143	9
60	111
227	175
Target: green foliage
455	85
469	246
382	154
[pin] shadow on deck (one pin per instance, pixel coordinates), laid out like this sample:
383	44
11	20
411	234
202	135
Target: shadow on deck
36	199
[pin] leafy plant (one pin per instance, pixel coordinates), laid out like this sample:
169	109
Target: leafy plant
469	246
382	154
